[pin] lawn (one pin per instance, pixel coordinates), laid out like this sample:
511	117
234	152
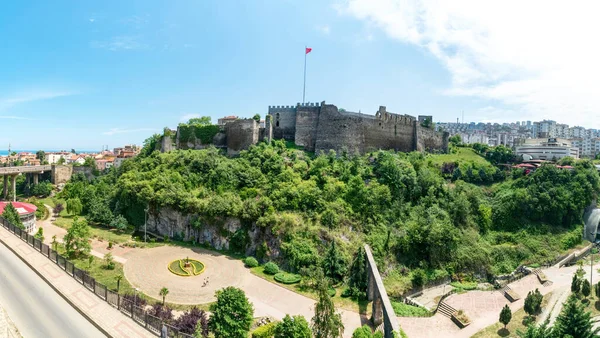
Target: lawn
100	273
462	155
517	322
361	307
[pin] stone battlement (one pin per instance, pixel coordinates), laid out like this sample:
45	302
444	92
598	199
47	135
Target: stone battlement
323	127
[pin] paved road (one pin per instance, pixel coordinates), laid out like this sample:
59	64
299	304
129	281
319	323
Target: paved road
35	308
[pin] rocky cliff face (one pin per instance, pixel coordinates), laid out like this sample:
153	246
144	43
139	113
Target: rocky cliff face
219	234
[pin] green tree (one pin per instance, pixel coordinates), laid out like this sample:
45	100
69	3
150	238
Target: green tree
586	288
61	161
326	323
118	279
163	293
455	140
574	321
109	261
77	238
74	206
292	327
357	281
41	155
505	315
256	118
119	223
200	121
40	234
533	302
597	290
232	314
334	264
11	214
363	332
533	331
575	284
90	162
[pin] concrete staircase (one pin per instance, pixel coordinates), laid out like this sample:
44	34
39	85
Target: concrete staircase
509	294
445	309
541	277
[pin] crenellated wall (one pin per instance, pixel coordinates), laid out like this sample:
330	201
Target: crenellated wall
323	127
284	122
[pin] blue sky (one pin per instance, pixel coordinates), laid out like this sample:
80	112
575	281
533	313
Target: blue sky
82	74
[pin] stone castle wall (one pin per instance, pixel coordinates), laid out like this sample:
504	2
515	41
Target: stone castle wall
307	121
241	134
284	122
323	127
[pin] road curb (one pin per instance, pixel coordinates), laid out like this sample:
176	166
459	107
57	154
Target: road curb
85	315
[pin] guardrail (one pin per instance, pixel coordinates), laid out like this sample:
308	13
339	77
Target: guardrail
113	298
24	169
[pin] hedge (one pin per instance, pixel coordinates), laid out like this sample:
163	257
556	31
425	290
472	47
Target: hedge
251	262
265	331
271	268
287	278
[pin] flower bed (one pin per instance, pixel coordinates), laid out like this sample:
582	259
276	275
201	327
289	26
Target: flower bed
460	318
287	278
193	268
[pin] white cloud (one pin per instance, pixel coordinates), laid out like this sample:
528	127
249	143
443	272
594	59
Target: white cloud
92	20
324	29
538	57
29	96
123	42
114	131
12	117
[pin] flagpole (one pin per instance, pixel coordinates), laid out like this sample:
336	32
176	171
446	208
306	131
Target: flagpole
304	86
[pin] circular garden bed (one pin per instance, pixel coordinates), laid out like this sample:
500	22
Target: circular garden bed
186	267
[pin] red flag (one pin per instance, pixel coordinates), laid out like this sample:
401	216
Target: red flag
308	50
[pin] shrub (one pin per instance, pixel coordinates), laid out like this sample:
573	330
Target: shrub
271	268
347	293
405	310
251	262
331	292
287	278
265	331
467	286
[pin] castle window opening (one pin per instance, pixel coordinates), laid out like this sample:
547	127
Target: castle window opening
395	130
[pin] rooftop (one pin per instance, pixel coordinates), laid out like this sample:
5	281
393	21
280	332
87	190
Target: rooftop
22	208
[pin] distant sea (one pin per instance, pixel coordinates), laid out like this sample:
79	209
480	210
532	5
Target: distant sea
5	152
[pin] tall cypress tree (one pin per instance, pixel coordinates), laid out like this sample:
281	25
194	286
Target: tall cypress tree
358	282
326	323
334	264
574	321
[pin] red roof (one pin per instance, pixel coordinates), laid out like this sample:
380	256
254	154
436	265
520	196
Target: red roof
22	208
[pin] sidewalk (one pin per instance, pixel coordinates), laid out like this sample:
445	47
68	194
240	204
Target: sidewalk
106	317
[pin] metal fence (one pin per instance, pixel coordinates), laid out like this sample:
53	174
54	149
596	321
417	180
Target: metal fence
138	314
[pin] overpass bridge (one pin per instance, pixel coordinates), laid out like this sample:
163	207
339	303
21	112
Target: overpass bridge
60	174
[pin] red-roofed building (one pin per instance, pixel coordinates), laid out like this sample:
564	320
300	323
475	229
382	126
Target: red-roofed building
26	213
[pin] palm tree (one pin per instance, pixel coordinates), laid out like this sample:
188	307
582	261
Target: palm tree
164	292
118	278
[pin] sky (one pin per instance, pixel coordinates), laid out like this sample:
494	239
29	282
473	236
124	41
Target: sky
85	74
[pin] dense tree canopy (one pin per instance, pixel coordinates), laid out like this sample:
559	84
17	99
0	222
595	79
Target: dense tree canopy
424	215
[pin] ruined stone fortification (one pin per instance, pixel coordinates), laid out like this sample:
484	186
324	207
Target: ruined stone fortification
321	127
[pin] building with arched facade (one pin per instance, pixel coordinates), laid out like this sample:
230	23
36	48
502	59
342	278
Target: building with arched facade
26	213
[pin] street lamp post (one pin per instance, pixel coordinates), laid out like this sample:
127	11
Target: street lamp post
145	223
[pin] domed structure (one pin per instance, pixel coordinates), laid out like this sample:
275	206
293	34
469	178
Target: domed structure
26	213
